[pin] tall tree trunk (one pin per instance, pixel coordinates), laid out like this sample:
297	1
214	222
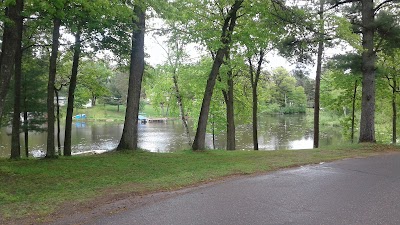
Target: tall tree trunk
226	37
181	108
16	122
367	122
318	74
71	95
254	78
230	115
394	109
26	137
255	114
9	48
129	139
353	112
50	89
58	121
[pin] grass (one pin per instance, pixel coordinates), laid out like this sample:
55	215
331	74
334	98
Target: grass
110	113
29	187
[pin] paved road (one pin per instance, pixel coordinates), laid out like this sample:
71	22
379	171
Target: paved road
353	191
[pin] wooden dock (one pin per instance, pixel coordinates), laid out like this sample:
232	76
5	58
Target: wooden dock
157	120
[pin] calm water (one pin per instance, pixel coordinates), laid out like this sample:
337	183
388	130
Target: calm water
275	132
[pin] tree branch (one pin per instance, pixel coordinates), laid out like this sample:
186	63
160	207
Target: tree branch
378	7
338	3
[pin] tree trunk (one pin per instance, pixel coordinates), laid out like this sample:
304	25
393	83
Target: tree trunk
26	137
230	115
9	48
181	108
16	122
394	116
93	100
353	112
50	89
129	139
254	78
71	95
226	37
318	75
58	122
367	122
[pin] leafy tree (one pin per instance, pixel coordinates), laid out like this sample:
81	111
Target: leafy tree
365	16
94	76
15	141
129	137
11	33
226	38
55	11
87	21
390	68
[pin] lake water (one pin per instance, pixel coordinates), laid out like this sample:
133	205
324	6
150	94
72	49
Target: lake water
275	132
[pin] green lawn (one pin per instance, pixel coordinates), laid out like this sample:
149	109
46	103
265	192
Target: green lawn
37	188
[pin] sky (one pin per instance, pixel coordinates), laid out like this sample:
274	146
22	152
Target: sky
155	48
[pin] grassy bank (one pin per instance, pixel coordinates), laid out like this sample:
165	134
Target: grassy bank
112	113
37	188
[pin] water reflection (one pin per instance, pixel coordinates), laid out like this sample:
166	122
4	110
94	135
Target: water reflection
275	132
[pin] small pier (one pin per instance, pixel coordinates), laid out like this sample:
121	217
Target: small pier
157	120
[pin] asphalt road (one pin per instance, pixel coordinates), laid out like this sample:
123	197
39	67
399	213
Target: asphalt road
354	191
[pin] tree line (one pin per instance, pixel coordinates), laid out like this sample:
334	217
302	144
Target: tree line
235	37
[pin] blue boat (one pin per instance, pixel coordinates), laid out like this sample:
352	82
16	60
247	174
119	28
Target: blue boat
142	119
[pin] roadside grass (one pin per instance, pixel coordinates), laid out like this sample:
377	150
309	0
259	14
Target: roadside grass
36	188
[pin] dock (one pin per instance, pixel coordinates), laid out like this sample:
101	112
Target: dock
157	120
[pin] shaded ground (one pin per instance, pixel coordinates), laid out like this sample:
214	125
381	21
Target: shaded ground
352	191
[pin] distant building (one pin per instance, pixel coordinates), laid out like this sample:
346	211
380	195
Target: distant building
62	101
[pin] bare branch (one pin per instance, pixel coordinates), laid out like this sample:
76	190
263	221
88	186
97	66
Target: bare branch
338	3
378	7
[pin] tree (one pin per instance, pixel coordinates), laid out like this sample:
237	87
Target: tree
226	38
9	47
87	21
175	55
368	27
50	153
318	73
254	78
389	66
129	136
229	102
15	141
94	77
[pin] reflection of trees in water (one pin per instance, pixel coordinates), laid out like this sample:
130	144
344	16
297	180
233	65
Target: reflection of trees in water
278	131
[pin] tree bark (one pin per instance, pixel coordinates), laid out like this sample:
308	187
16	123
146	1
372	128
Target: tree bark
353	112
226	37
26	137
71	95
394	109
318	76
9	48
230	114
16	122
129	139
58	121
367	122
50	89
254	78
